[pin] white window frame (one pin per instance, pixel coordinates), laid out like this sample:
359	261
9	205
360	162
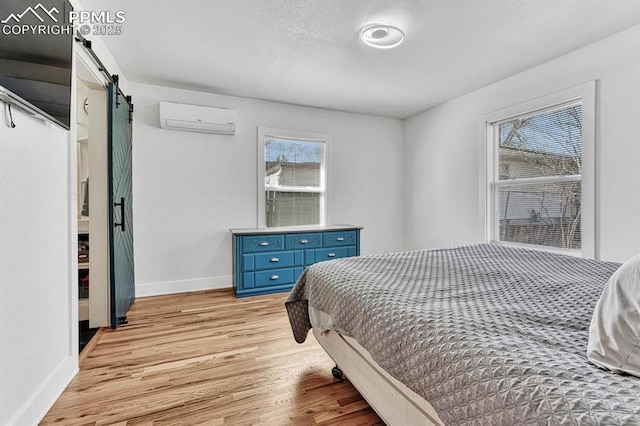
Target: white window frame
586	95
296	135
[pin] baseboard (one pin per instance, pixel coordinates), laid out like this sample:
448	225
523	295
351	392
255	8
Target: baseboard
92	344
183	286
47	394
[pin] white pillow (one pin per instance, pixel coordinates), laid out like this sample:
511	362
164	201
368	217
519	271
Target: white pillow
614	334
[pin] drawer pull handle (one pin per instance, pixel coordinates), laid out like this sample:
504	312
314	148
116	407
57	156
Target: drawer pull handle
264	244
273	277
274	260
304	241
340	239
331	255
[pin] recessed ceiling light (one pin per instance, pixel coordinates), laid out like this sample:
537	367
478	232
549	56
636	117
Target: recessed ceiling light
381	36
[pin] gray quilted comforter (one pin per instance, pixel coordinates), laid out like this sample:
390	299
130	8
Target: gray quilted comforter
487	334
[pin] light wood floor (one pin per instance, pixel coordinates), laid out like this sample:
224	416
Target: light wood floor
208	358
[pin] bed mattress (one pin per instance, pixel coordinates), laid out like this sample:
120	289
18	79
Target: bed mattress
487	334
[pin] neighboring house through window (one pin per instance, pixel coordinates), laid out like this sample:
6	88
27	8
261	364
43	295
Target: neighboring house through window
540	166
292	183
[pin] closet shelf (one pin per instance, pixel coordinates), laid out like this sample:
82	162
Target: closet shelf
83	226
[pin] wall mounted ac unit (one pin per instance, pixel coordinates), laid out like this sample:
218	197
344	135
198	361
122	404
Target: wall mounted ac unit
196	118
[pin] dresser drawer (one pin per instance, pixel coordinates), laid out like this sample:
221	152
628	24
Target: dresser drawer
338	239
280	259
319	255
274	277
302	241
262	243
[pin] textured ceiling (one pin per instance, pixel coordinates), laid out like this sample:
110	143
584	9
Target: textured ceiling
307	52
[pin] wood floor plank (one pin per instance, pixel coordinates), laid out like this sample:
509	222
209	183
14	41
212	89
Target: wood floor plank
212	359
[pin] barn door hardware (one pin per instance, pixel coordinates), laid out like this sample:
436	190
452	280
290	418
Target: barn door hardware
122	216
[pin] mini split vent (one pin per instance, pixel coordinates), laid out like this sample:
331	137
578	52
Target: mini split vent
197	118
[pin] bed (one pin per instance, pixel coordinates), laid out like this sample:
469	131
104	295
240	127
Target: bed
482	334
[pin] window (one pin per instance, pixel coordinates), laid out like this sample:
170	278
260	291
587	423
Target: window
292	178
540	174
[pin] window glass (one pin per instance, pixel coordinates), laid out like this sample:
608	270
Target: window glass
545	214
546	144
290	163
292	178
292	208
538	191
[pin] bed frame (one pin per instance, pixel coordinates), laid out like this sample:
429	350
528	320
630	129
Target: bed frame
395	403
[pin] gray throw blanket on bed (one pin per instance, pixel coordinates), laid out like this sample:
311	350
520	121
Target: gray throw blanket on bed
487	334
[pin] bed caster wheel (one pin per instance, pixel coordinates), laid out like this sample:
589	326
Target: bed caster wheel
337	373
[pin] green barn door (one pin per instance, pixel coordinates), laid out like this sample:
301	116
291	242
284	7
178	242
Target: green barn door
122	280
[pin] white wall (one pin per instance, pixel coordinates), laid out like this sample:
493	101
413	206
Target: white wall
444	149
38	353
190	188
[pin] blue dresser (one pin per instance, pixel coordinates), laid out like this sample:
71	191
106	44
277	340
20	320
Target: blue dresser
270	260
